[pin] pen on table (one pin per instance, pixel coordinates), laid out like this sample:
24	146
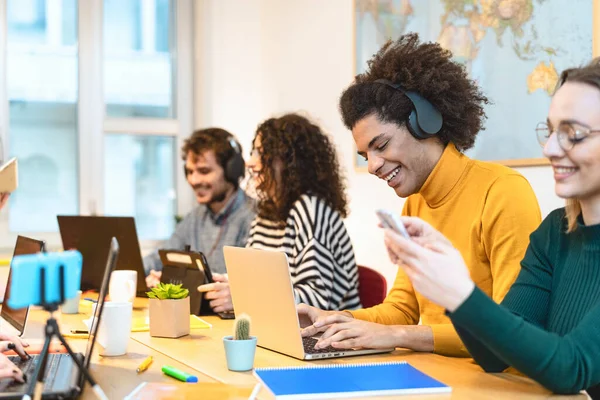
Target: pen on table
92	300
144	365
12	346
80	331
178	374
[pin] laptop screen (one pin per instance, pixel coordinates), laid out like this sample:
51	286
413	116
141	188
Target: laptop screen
17	317
113	255
91	235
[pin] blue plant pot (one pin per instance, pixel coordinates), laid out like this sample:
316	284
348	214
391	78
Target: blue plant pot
239	353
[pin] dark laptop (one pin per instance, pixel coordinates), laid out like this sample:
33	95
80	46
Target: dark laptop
92	235
62	379
17	317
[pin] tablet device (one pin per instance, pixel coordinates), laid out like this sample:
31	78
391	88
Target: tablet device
190	259
9	176
185	268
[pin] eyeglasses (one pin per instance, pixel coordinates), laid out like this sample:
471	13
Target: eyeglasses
568	136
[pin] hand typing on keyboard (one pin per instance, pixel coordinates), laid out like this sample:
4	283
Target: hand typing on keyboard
10	370
10	342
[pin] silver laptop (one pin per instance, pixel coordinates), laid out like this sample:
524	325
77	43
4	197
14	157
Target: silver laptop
261	287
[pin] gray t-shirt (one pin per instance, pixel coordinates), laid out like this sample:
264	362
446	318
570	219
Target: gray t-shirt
208	232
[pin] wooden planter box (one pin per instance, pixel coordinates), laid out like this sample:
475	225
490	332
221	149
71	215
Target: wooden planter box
170	318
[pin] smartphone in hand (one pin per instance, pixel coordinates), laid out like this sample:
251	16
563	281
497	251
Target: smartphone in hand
392	221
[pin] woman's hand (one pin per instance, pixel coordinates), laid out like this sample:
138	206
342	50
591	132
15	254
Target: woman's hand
10	370
10	342
218	293
435	268
420	232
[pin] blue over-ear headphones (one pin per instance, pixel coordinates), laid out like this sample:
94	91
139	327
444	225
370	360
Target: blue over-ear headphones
425	120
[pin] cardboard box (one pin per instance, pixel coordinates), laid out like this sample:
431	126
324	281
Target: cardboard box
170	318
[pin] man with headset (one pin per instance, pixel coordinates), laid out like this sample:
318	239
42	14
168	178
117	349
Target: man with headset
412	115
213	167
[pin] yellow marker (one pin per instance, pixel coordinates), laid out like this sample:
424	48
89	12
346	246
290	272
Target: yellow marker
144	365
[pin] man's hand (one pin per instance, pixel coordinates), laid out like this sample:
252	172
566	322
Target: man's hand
218	293
153	278
9	370
10	342
348	333
311	317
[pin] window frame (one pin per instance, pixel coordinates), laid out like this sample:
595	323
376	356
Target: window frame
92	122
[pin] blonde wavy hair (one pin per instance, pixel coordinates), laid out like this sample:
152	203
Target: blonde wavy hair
589	74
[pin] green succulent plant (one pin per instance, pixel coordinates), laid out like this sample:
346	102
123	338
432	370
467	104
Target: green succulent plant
241	328
166	291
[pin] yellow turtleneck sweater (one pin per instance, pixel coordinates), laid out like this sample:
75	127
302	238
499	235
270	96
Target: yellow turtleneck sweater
487	211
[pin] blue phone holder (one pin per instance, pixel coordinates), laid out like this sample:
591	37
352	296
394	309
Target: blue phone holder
45	279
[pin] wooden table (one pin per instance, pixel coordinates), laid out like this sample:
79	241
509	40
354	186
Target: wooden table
202	353
116	375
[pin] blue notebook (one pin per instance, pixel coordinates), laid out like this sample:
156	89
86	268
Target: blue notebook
347	380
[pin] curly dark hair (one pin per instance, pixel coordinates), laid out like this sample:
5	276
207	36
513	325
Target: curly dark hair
215	139
427	69
309	166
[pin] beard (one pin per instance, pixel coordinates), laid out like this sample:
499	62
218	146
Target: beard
216	196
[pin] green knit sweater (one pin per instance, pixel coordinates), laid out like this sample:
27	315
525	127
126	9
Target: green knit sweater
548	326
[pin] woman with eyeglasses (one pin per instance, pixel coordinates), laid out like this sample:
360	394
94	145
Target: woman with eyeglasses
548	326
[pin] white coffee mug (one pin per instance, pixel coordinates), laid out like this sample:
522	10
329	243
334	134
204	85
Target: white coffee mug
71	306
115	328
123	284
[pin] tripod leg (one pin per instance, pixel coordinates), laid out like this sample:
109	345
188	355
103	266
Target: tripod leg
36	385
95	387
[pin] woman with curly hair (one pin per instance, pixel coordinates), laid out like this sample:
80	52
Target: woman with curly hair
300	209
301	203
412	114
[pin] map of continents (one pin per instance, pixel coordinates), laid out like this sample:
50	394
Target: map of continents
514	49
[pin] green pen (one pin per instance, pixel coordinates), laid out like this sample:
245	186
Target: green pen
179	374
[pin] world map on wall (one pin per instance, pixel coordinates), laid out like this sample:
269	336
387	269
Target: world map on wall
514	49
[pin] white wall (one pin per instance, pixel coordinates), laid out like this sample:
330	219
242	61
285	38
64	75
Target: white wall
265	57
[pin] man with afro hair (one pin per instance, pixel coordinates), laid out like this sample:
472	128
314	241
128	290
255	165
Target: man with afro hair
412	114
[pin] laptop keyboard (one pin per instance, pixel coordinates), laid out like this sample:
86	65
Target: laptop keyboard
309	347
28	368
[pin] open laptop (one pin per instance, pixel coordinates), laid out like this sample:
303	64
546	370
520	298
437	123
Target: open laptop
261	287
18	317
92	236
62	379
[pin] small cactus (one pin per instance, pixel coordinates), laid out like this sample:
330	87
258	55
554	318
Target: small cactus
241	328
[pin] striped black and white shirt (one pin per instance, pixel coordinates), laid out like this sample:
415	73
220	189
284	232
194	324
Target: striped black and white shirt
319	251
